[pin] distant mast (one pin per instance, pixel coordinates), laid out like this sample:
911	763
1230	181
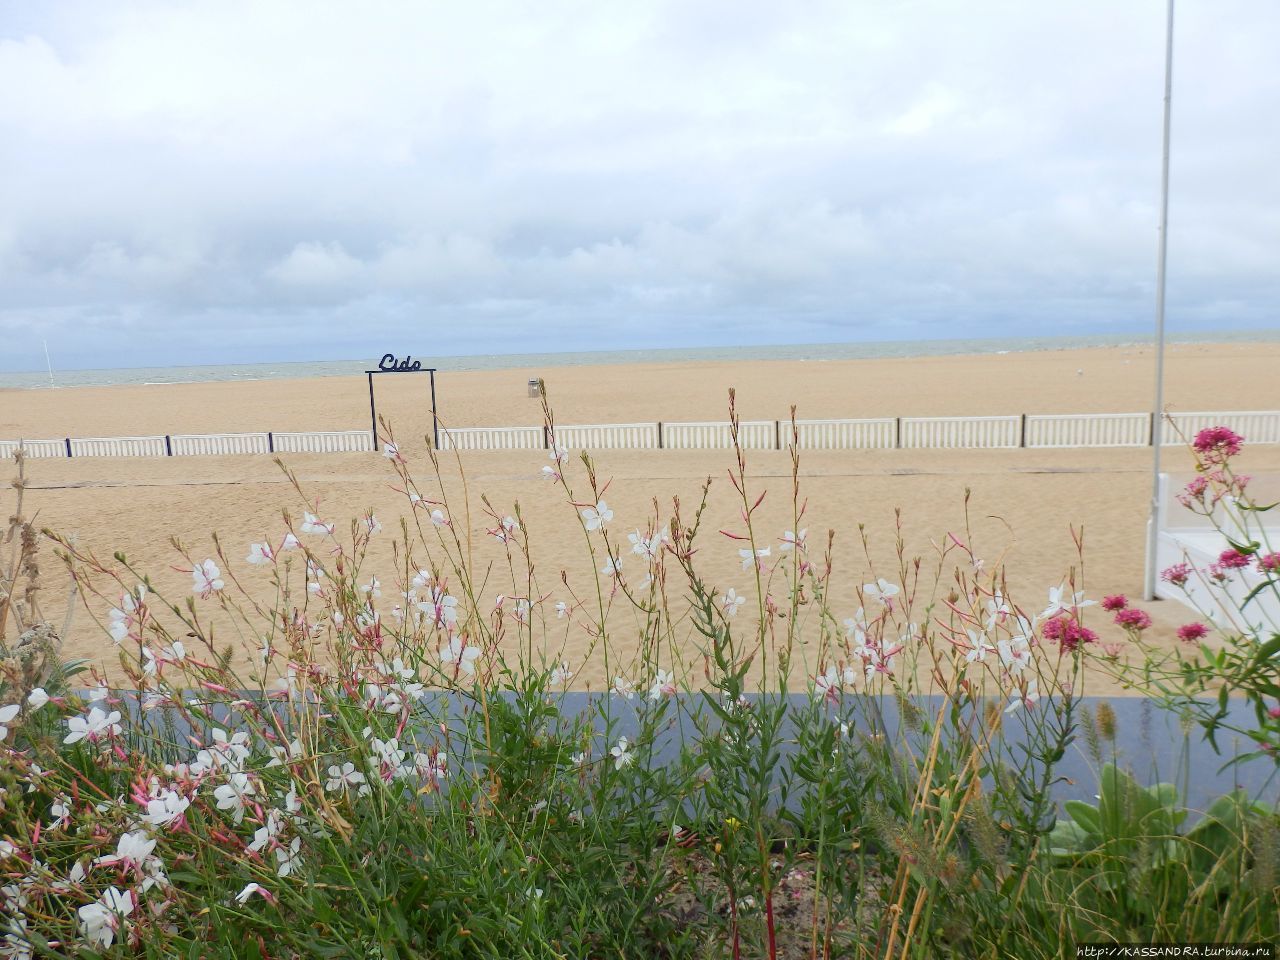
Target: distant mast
47	361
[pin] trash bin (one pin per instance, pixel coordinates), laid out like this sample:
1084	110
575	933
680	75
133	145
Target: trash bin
535	388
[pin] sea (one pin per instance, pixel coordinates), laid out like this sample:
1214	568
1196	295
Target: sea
812	352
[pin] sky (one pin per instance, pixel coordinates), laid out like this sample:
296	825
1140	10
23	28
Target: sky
206	182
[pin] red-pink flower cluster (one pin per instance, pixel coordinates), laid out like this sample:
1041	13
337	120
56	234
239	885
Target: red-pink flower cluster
1133	619
1178	574
1233	559
1269	563
1216	444
1068	633
1191	632
1116	601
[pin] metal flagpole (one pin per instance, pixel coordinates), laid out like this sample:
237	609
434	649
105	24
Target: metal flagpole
1157	425
47	362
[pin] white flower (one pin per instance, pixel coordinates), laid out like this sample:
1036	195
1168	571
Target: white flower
36	699
558	453
371	525
344	777
622	687
881	590
313	524
596	517
549	473
100	920
621	754
233	794
94	725
442	608
390	451
206	578
290	542
438	518
827	685
732	602
979	647
612	567
1015	654
751	558
663	685
460	654
7	714
562	609
560	675
372	588
165	808
1058	603
791	540
122	617
133	849
289	858
1026	697
507	529
244	895
260	553
649	547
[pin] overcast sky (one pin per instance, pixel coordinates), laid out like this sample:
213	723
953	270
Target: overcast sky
227	181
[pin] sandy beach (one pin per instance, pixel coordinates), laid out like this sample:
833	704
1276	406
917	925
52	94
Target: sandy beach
1023	503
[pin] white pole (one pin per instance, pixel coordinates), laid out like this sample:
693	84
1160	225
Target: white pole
48	362
1157	424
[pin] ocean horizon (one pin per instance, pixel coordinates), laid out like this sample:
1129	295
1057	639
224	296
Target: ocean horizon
811	352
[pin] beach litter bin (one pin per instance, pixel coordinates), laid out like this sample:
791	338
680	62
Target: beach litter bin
535	388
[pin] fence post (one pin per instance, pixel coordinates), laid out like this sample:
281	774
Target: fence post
659	434
271	443
168	446
897	433
67	441
777	434
1151	430
1023	442
546	438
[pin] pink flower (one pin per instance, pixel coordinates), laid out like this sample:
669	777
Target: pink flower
1217	574
1112	650
1117	601
1133	619
1178	574
1216	444
1194	492
1269	563
1191	632
1233	559
1069	634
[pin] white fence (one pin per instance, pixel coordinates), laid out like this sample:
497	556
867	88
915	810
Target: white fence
34	448
1089	430
493	438
325	441
752	434
624	436
118	447
1033	430
881	434
219	444
954	432
1255	426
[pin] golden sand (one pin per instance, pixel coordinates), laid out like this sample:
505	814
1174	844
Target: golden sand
1023	506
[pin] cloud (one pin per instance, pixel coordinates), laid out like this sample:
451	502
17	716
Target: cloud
292	180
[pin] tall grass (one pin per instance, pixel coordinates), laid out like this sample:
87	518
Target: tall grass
332	773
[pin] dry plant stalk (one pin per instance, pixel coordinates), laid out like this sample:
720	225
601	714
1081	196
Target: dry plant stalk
28	662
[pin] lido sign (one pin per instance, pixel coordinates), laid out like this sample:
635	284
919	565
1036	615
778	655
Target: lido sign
389	364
